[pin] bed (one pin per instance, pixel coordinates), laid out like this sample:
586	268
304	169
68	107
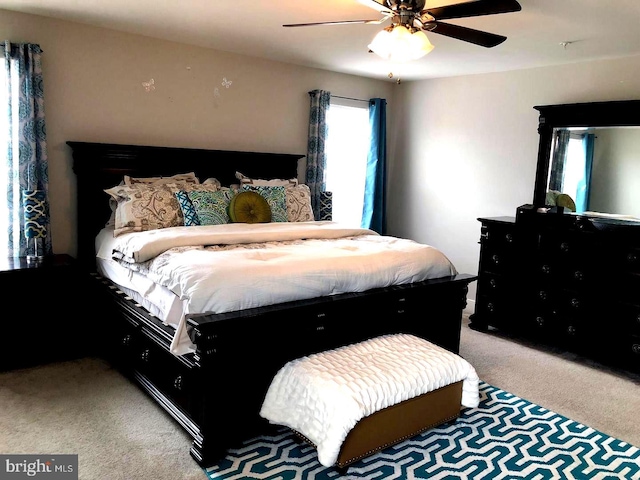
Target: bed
211	369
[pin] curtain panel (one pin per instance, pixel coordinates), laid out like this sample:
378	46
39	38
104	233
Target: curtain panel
374	207
316	156
24	146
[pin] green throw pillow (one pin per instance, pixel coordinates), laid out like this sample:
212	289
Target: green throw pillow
249	207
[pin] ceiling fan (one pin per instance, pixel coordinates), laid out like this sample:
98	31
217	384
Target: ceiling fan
413	16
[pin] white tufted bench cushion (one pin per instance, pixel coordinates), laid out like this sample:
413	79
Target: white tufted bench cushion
323	396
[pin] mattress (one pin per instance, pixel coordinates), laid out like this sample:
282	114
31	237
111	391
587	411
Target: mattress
233	267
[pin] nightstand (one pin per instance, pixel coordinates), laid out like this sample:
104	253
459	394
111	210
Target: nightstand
41	317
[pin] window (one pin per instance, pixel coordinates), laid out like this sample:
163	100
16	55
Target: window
347	147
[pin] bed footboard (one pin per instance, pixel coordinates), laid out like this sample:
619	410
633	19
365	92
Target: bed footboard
216	393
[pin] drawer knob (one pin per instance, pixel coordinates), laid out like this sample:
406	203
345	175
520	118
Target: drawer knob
491	307
638	318
509	238
540	321
493	283
126	341
496	259
636	348
571	330
177	383
632	258
543	295
145	355
575	303
578	275
320	328
564	247
484	236
546	269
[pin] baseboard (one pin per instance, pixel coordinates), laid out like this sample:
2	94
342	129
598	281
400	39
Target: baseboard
470	308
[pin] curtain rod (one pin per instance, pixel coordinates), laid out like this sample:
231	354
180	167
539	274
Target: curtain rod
350	98
313	92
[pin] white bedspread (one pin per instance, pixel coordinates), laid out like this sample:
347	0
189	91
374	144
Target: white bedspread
324	395
226	268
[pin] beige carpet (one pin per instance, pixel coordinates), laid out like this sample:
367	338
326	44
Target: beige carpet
85	407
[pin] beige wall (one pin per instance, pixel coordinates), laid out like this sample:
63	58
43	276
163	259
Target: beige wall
93	92
467	147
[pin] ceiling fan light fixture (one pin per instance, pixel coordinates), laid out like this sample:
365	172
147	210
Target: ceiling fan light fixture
398	44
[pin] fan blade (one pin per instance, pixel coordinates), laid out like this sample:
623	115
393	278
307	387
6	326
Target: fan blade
484	39
376	6
474	9
341	22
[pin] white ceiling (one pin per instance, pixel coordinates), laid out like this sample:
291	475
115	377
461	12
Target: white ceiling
591	29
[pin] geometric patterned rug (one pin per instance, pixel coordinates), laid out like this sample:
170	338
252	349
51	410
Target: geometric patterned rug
505	437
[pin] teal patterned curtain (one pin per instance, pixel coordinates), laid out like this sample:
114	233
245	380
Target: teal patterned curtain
316	157
23	144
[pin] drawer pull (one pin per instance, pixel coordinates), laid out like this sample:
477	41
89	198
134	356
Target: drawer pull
571	330
320	328
638	318
546	269
400	311
564	247
145	355
484	236
509	238
490	307
496	259
543	295
632	258
575	303
636	348
578	275
493	283
540	321
321	315
126	341
177	383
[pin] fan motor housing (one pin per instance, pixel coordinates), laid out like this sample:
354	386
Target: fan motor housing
412	5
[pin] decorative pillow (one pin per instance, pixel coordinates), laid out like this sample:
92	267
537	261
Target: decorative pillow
149	206
181	177
249	207
275	197
298	202
211	208
145	207
188	211
244	180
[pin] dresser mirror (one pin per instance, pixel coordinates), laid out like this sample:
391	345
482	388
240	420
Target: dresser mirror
589	158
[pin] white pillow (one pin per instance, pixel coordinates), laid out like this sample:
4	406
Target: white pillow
244	180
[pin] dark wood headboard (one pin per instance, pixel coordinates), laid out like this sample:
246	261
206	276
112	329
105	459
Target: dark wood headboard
99	166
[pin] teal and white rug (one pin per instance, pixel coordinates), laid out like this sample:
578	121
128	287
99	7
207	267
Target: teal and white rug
506	437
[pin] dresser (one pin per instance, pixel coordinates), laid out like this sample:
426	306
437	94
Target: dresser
567	280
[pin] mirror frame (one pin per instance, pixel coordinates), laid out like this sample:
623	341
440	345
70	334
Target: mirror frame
594	114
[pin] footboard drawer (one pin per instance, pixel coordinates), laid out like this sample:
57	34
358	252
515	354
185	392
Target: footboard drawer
164	370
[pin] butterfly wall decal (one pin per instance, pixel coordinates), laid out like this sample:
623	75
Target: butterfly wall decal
149	86
226	83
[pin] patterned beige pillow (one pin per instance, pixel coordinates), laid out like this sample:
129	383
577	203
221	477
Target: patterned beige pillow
298	201
178	178
144	206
